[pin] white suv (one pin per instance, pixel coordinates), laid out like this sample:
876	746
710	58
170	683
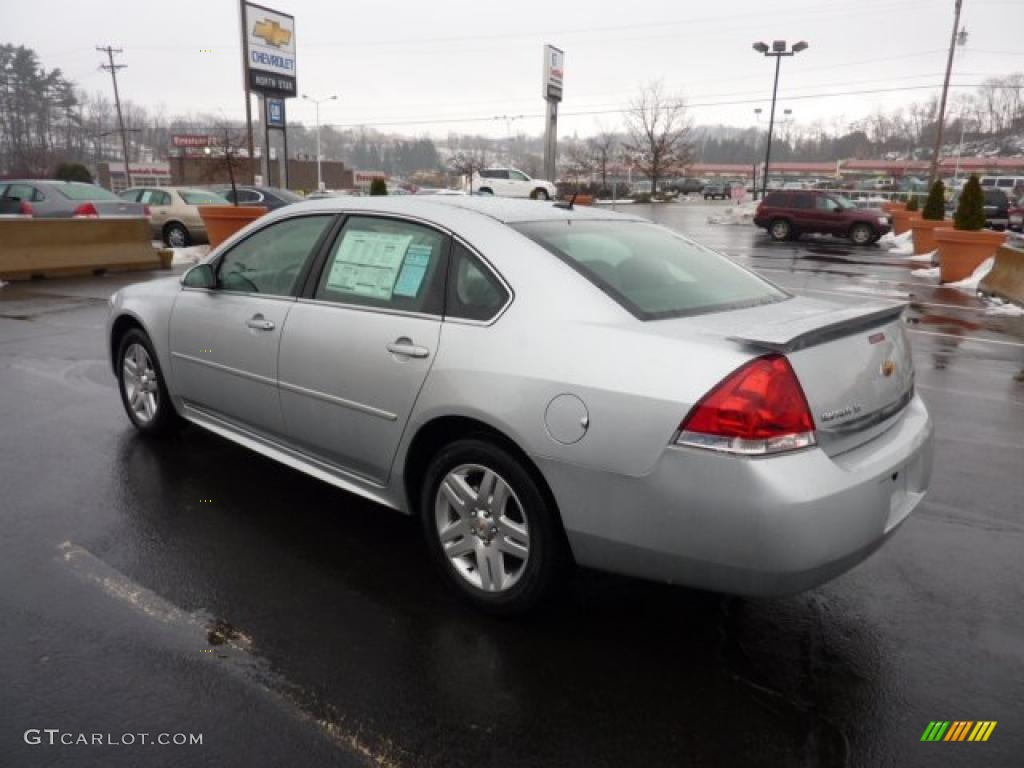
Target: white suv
508	182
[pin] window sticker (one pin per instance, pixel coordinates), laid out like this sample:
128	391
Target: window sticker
414	269
367	263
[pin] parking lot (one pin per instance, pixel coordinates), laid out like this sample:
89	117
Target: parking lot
193	586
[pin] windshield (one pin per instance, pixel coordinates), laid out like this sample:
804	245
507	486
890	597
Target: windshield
202	197
844	201
78	191
652	272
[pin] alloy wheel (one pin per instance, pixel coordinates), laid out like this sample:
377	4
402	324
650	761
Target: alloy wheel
482	527
141	385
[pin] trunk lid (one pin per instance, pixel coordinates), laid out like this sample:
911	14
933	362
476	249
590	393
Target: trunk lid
111	208
853	362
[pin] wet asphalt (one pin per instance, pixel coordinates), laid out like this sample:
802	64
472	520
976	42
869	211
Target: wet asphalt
192	587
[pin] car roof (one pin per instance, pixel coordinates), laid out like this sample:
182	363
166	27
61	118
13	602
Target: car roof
441	208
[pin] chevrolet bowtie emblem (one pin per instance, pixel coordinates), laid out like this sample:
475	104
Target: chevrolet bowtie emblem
888	368
272	32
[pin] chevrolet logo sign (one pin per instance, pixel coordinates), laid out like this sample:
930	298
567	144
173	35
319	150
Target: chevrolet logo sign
272	32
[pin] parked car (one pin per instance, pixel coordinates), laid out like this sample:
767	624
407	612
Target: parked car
997	207
1011	185
270	198
1015	216
69	199
715	190
688	185
728	435
174	215
788	214
509	182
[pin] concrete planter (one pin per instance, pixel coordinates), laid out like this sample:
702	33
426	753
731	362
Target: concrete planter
222	221
901	220
962	251
924	234
1006	280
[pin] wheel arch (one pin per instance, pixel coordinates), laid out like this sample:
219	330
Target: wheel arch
434	434
118	328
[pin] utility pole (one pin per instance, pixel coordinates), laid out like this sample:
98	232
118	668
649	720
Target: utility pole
933	169
112	69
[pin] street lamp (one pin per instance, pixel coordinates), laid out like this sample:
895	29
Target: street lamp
318	102
777	50
757	133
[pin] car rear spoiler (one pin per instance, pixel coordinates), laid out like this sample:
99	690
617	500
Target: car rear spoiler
797	333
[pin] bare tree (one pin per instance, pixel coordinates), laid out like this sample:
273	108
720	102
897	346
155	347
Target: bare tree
658	130
578	161
230	142
602	149
466	163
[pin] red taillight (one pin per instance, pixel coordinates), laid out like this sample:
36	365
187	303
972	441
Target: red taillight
85	210
758	409
25	209
146	212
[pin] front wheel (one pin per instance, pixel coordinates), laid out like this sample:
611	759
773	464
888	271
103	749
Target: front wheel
540	194
861	234
176	236
141	383
486	191
489	528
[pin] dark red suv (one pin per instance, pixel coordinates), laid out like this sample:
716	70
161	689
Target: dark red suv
791	213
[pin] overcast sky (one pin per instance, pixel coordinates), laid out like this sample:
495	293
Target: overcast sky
424	67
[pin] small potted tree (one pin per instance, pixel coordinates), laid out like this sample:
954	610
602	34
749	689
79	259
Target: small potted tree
965	245
378	187
222	221
932	217
901	218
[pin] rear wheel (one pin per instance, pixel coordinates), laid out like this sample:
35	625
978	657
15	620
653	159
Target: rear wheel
862	234
489	527
176	236
780	229
486	191
143	392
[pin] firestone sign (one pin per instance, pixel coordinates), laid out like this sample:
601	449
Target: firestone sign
270	51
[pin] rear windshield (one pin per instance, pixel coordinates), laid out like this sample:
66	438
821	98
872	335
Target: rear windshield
652	272
201	197
284	194
78	191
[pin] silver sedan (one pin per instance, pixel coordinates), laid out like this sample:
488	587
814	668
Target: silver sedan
542	385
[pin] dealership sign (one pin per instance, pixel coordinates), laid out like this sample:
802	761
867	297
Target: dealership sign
554	72
189	140
269	51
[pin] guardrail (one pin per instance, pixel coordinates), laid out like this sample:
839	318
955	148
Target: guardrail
51	247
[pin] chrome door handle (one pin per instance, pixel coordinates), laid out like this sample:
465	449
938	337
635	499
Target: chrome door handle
406	348
259	323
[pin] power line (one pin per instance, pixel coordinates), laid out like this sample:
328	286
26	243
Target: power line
112	69
622	110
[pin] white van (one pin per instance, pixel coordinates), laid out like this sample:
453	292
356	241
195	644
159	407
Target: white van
1006	183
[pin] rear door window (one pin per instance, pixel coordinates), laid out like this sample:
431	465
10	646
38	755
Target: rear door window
474	292
387	264
652	272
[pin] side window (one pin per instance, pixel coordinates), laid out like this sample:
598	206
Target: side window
247	196
774	199
161	198
130	195
487	174
474	293
823	203
270	260
385	263
23	192
517	176
801	201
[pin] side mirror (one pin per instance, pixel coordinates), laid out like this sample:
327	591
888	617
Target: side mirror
200	276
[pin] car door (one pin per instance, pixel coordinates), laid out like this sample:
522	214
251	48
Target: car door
224	341
159	203
828	218
359	343
519	184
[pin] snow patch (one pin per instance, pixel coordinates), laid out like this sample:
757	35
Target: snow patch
971	283
191	255
930	257
736	214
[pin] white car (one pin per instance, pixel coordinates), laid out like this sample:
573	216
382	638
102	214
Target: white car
509	182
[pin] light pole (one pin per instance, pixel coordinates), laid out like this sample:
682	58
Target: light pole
757	134
777	50
317	103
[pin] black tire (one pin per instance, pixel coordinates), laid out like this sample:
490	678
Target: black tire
540	194
176	235
780	229
547	557
164	416
862	234
485	191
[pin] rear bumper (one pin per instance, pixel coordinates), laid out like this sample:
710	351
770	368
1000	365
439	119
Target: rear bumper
769	526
